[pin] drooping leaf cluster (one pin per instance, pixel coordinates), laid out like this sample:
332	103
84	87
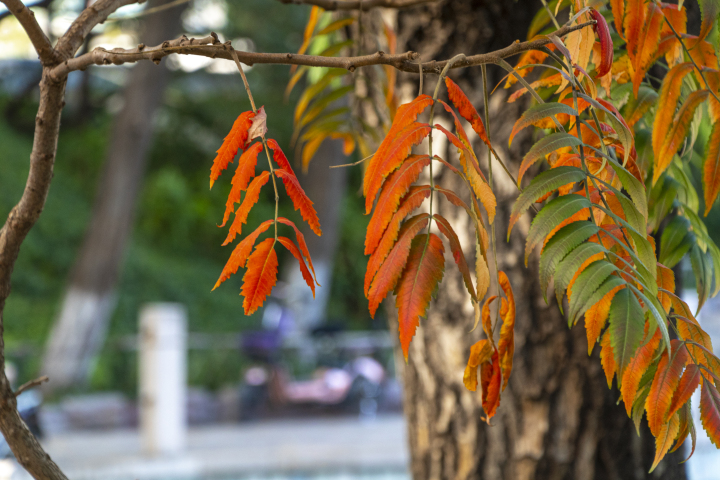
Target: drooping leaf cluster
261	273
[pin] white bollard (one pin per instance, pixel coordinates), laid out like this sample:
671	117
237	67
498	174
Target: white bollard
163	367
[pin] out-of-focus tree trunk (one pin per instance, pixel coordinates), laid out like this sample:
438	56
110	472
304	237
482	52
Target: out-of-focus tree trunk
80	328
557	419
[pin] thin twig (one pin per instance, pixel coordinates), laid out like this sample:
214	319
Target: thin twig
354	163
31	384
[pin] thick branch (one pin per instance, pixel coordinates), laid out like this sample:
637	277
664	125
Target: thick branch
40	41
86	21
21	219
358	4
210	47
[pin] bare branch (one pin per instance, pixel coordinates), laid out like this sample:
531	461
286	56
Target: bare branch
358	4
48	56
85	22
31	384
211	47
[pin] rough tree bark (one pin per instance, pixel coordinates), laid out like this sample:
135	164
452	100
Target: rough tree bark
90	298
557	419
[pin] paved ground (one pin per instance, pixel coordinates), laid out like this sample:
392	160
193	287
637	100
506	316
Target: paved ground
332	449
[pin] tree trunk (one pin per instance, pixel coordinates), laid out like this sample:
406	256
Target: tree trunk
557	419
90	299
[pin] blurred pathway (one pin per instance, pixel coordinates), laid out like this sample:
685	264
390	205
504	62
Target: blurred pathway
325	448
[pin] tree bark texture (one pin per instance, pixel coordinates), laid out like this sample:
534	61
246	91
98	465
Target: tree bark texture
89	301
557	419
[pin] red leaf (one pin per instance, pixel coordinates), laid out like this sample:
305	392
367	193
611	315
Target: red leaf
710	412
447	230
466	109
236	139
664	385
298	256
394	188
606	44
422	273
490	379
279	156
385	162
391	269
405	116
301	243
506	344
260	276
251	198
688	383
241	252
410	202
243	174
299	199
636	369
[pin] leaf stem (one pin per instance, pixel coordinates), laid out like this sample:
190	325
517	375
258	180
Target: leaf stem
262	138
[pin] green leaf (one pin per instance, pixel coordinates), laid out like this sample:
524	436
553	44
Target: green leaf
632	215
566	269
541	185
322	103
558	247
627	325
634	187
662	198
686	193
703	275
542	18
538	112
653	306
549	144
595	278
623	132
552	214
336	25
673	242
638	407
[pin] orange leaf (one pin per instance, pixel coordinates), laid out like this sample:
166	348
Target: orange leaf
636	369
490	379
307	276
423	272
607	357
529	57
244	172
596	317
710	412
634	22
664	385
618	12
301	243
299	199
678	19
667	432
394	188
711	168
447	230
389	271
480	353
236	139
410	202
251	197
506	344
678	131
666	280
466	109
279	156
704	55
260	276
486	320
308	33
385	162
241	253
667	101
552	80
649	40
709	10
688	383
405	116
606	45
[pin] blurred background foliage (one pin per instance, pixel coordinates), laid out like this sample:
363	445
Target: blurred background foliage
175	253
